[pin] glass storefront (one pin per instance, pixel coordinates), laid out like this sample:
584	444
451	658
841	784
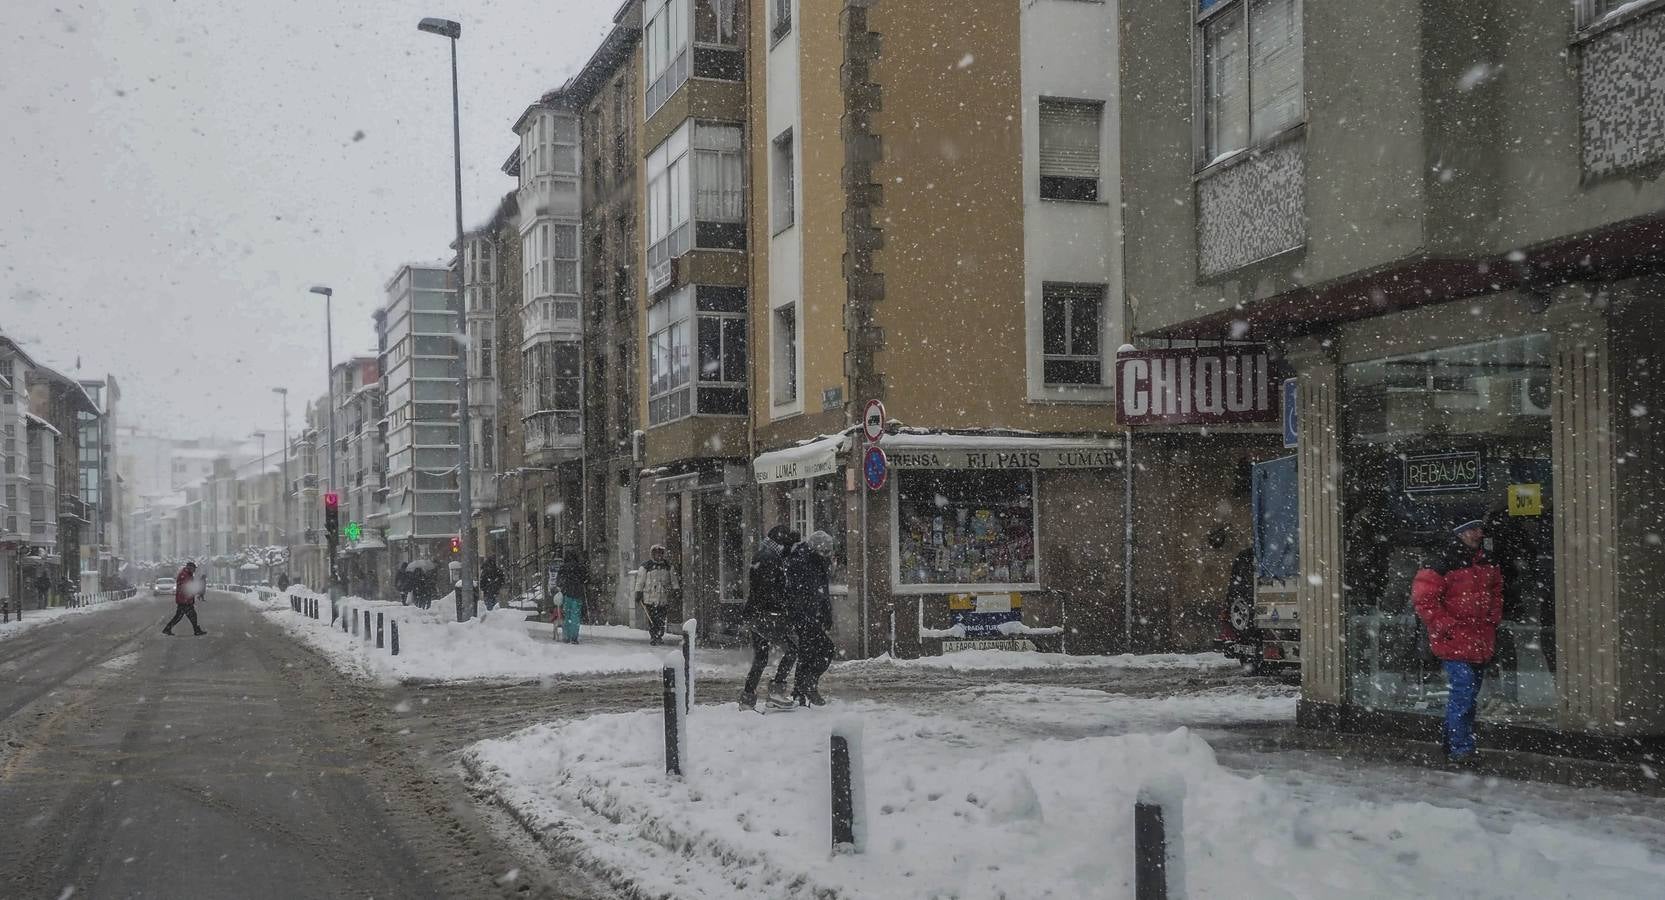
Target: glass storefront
965	528
1432	439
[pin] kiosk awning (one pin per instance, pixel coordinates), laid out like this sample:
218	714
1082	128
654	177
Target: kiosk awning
808	460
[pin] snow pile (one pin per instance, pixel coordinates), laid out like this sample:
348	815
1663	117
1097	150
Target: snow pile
990	660
499	644
34	618
970	810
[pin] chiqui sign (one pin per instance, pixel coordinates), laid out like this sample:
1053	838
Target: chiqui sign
1200	386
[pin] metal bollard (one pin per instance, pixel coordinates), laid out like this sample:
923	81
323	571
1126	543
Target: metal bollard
367	626
673	723
843	794
378	631
355	621
394	637
1150	853
689	628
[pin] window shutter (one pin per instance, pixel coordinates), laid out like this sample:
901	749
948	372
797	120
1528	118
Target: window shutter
1070	138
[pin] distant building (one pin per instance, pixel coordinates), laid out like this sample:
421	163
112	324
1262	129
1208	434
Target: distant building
418	326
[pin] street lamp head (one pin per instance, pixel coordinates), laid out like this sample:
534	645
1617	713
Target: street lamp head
281	390
320	289
441	27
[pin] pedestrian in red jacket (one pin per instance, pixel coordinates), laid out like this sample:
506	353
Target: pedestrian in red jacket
1459	595
186	589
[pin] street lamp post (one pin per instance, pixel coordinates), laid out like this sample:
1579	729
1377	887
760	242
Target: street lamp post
329	403
286	511
262	480
465	608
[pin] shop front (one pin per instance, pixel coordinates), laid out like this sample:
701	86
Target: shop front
699	515
973	539
1530	416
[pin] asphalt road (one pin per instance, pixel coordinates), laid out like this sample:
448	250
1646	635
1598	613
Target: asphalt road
237	764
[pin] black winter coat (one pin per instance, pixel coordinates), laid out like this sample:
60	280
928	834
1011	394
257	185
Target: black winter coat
808	588
766	582
574	577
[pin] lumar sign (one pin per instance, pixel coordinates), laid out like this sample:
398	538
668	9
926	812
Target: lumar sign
1438	472
1212	386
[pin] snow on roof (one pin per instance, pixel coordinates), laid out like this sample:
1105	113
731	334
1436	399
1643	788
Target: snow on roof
42	423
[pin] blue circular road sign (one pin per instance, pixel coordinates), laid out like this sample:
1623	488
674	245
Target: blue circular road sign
875	468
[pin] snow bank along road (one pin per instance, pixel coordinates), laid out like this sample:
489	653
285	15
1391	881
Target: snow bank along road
133	764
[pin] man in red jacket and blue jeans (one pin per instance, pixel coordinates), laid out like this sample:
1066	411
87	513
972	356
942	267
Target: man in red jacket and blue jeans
187	587
1459	595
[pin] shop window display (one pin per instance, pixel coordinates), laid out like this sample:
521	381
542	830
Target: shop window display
966	528
1432	439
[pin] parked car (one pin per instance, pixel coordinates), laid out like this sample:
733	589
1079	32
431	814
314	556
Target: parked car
162	586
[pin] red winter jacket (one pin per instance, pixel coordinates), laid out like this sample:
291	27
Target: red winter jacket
1459	596
182	587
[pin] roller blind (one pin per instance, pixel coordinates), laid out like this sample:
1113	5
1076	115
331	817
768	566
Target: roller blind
1070	138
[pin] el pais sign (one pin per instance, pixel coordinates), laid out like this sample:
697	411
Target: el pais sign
1196	386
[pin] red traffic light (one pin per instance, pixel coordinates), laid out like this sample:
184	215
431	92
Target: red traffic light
332	500
456	545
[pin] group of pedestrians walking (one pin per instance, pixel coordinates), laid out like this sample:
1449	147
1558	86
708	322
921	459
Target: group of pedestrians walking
789	606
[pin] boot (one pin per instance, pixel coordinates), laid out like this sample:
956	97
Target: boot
199	632
815	698
778	697
748	700
168	632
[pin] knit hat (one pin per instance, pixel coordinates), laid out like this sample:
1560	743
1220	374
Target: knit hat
1471	523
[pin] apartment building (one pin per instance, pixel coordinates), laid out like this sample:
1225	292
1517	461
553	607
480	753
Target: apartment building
419	327
479	262
693	287
307	555
361	473
101	484
1457	260
936	225
550	465
607	96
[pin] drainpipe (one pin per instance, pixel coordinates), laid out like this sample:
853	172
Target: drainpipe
1127	527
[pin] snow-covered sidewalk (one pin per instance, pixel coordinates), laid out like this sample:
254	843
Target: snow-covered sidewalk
1022	792
35	618
499	644
1010	660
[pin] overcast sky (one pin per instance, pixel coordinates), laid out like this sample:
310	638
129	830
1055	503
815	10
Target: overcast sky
174	175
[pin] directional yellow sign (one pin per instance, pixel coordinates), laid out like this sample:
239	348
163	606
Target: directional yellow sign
1526	499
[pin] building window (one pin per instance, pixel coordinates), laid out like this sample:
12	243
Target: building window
719	186
1594	12
722	350
485	357
965	528
669	232
780	18
1069	162
1435	438
782	182
549	147
1072	330
784	359
1251	73
550	255
488	445
552	374
664	50
717	40
670	358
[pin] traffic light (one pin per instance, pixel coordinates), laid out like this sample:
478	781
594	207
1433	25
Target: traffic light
456	545
332	514
355	532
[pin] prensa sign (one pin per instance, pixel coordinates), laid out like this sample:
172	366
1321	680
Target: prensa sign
1202	386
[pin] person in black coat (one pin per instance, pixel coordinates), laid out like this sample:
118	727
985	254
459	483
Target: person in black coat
765	615
809	609
491	582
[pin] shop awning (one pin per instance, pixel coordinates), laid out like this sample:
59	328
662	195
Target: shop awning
999	451
367	544
807	460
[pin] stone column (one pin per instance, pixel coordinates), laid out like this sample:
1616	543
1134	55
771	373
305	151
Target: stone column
1586	572
1318	593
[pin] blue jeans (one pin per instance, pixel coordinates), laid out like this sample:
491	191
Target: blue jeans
1464	679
